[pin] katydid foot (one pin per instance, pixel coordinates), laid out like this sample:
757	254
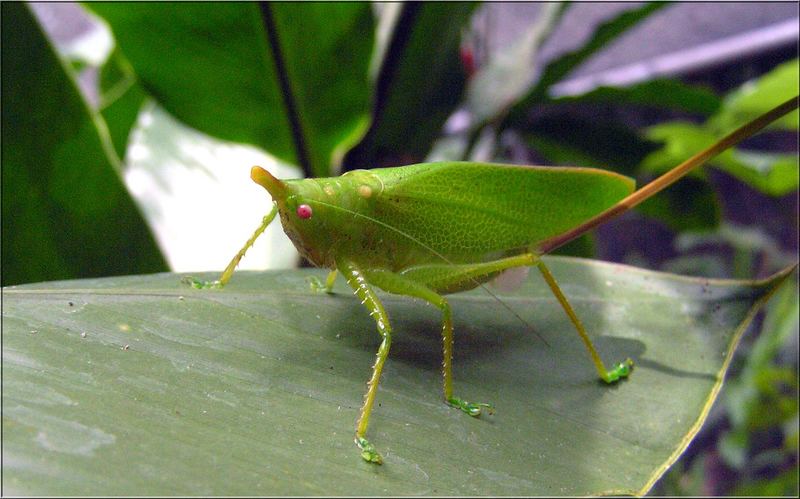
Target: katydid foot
368	452
198	284
619	371
470	408
317	285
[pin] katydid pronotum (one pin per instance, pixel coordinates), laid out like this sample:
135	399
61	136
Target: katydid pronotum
427	230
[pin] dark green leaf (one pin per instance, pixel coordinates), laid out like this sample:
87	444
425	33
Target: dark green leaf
785	484
326	49
66	212
690	204
142	386
583	247
662	93
419	84
214	66
569	140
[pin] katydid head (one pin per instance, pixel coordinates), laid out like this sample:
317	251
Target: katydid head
317	213
276	188
296	201
287	195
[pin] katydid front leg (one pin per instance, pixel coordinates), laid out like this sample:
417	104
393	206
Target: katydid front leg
228	272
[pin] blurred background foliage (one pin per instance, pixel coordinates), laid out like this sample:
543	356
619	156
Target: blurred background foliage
109	163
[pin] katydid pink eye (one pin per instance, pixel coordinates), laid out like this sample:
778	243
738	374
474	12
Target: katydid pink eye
304	211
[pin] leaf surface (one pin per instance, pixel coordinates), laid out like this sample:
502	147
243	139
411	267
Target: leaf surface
138	385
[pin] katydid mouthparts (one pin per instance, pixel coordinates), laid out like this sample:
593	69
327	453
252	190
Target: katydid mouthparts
427	230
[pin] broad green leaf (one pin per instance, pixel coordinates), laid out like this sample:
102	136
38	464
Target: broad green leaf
775	174
66	213
259	74
759	96
140	385
418	86
326	48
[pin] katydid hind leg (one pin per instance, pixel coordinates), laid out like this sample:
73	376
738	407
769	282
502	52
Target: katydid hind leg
439	278
619	370
356	279
398	284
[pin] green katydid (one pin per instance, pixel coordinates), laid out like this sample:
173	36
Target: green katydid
431	229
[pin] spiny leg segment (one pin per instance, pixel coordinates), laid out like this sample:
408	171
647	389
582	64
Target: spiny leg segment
402	285
228	272
356	279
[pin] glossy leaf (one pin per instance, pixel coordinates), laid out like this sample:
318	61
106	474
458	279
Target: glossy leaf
259	74
140	385
63	200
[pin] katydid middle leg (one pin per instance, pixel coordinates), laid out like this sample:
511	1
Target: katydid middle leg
356	279
399	284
